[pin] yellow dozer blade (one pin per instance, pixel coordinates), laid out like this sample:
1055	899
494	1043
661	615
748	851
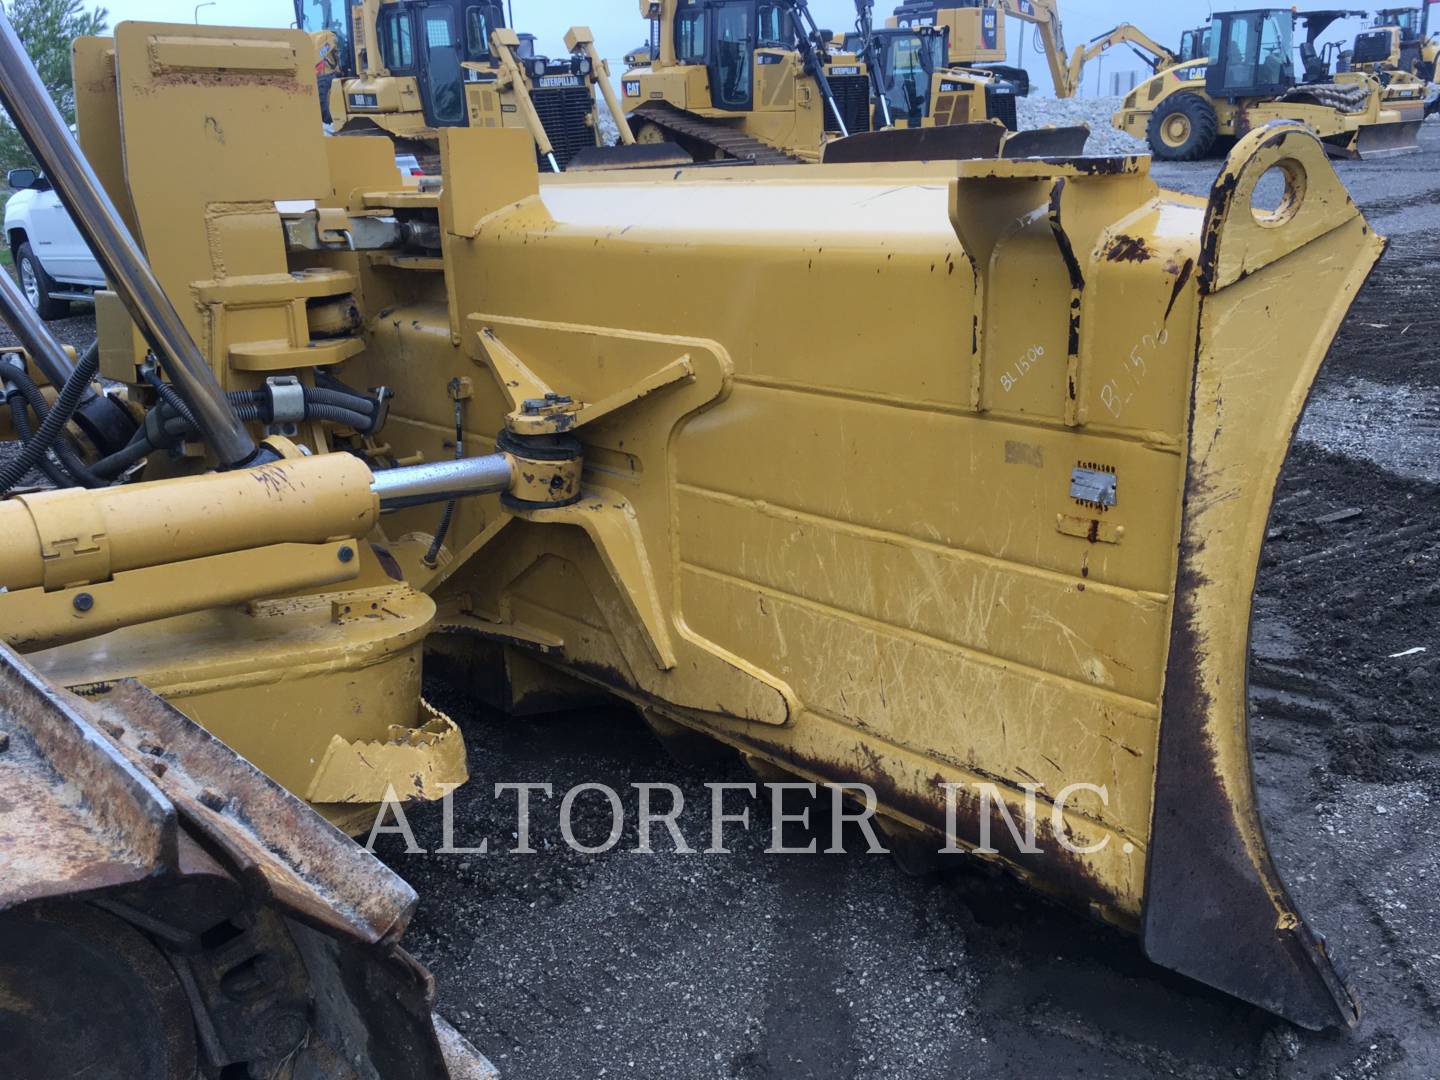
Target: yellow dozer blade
991	516
1382	140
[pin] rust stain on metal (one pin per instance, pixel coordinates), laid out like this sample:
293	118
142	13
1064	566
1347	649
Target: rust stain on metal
1129	249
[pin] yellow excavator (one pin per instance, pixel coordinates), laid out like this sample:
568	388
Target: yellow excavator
1192	109
569	430
410	68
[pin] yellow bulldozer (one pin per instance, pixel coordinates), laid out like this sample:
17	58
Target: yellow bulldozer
950	111
741	80
1191	110
409	69
989	561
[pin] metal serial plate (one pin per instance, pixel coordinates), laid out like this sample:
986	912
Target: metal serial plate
1093	486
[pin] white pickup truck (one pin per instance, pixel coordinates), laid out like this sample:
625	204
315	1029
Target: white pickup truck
53	261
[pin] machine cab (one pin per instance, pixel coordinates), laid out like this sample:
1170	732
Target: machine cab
1252	54
431	41
976	27
907	61
724	36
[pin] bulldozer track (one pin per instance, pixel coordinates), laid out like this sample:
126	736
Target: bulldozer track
732	143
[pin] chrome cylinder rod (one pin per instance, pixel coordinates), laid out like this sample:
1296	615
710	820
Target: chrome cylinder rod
45	132
418	485
34	336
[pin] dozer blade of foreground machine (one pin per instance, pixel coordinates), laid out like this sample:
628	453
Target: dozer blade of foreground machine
167	912
980	531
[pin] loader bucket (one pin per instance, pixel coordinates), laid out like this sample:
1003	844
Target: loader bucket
996	522
957	142
635	156
166	910
1062	142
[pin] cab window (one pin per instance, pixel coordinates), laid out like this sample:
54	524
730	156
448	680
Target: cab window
906	71
443	79
477	32
734	56
772	27
690	37
397	44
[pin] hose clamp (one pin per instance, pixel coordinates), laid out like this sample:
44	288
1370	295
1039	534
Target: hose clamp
287	399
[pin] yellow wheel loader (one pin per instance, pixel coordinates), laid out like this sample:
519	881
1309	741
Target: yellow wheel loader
1191	110
993	560
1400	52
1403	35
411	67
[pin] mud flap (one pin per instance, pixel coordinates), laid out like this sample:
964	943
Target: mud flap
1275	287
220	920
1064	142
957	142
663	155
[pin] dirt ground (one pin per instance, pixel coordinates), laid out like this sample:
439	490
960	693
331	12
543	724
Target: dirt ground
750	966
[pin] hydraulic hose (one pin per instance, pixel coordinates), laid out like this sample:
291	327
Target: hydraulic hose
432	557
74	471
20	419
34	448
169	423
167	393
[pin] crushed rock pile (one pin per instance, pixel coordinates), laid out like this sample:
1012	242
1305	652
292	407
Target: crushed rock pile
1036	112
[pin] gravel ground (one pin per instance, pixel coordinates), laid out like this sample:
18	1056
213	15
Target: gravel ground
1035	112
751	966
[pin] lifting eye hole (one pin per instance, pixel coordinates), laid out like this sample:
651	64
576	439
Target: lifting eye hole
1278	193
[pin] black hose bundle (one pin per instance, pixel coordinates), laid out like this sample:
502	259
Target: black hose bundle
166	426
52	424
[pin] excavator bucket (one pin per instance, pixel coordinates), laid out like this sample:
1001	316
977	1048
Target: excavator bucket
166	910
662	155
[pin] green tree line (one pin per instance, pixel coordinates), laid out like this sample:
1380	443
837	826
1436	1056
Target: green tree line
47	27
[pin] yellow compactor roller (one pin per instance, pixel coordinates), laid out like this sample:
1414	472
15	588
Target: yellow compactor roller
1192	110
948	539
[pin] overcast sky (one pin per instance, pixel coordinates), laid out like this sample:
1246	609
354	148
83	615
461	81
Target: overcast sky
618	26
